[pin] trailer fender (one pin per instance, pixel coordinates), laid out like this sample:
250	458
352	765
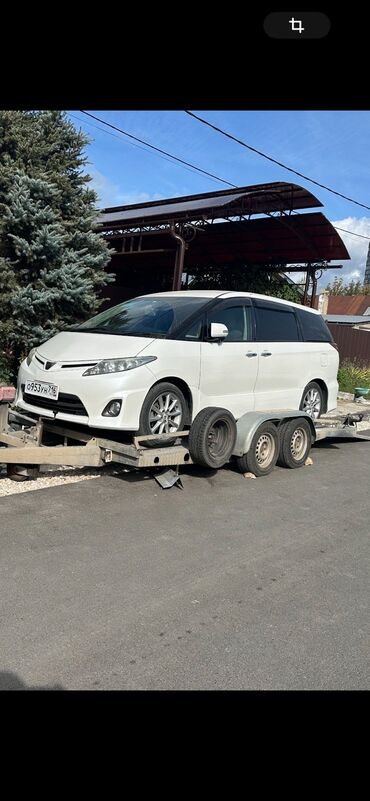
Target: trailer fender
249	422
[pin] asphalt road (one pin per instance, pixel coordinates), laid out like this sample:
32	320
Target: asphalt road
228	584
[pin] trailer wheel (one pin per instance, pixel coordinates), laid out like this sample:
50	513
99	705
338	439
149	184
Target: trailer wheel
295	443
263	452
212	437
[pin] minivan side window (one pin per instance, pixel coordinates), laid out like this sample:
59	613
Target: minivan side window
236	317
314	328
276	323
194	331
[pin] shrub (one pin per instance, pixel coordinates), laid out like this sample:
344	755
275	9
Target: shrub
351	375
5	373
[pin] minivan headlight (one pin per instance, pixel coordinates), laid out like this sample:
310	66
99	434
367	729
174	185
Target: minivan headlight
30	356
118	365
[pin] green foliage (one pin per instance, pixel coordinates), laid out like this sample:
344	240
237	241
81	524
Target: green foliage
246	279
5	373
338	287
351	375
51	261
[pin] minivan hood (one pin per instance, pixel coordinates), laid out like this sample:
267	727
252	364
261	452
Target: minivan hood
73	346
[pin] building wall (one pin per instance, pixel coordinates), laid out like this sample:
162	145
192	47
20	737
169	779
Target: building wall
353	343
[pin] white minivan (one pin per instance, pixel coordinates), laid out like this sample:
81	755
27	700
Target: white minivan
149	365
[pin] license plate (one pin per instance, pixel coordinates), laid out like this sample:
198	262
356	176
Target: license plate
42	389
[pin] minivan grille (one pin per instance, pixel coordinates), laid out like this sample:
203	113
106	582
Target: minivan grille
68	404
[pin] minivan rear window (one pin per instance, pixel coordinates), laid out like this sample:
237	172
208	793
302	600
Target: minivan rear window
276	324
314	328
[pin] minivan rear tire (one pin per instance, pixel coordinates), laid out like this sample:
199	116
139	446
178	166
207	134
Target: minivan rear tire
312	400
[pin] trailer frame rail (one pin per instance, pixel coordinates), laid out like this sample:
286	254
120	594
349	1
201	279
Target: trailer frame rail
28	442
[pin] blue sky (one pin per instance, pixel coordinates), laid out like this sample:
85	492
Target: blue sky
331	147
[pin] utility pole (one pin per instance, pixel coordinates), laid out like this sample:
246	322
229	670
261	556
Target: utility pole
367	268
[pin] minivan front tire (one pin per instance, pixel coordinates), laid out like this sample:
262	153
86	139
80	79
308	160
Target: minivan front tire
164	411
312	400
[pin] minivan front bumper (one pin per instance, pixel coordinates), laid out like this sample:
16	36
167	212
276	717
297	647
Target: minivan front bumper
82	399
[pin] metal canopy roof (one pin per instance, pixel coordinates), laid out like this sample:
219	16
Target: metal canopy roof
262	227
241	201
299	238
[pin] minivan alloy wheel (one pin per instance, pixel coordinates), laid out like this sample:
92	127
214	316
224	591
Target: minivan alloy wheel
311	403
165	414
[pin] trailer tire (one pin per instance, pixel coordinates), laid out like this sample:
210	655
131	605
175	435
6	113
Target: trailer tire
212	437
295	443
263	452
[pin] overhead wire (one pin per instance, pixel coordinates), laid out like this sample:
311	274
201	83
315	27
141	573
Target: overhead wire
194	168
157	149
275	161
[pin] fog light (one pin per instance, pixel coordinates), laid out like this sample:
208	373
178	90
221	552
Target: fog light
112	408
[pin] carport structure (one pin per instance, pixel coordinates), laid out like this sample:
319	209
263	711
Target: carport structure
156	244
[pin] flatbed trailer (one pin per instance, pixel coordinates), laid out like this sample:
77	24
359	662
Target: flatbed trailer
27	442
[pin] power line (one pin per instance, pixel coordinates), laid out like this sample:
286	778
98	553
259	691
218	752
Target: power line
275	161
352	233
193	167
139	147
158	149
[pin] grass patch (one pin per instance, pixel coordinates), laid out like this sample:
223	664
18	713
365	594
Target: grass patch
351	375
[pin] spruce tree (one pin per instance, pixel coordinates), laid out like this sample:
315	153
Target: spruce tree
51	260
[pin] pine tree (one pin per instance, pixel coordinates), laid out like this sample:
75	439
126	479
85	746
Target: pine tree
51	261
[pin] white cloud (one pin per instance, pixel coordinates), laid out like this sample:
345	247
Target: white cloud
357	249
128	198
110	194
107	191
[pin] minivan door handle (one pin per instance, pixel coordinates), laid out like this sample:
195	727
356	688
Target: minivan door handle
266	353
250	354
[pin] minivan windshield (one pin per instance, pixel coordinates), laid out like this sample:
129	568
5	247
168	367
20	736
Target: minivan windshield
144	317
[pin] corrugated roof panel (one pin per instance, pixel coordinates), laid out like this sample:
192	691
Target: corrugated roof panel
255	199
155	211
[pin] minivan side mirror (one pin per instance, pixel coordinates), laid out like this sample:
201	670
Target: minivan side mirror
219	331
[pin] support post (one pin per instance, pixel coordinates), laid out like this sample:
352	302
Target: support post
306	286
314	288
179	260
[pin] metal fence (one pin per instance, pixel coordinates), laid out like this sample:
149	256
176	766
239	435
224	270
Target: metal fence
353	343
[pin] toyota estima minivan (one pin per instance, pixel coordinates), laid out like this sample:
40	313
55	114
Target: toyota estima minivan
149	365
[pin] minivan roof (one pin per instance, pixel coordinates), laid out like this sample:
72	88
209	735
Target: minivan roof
219	293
